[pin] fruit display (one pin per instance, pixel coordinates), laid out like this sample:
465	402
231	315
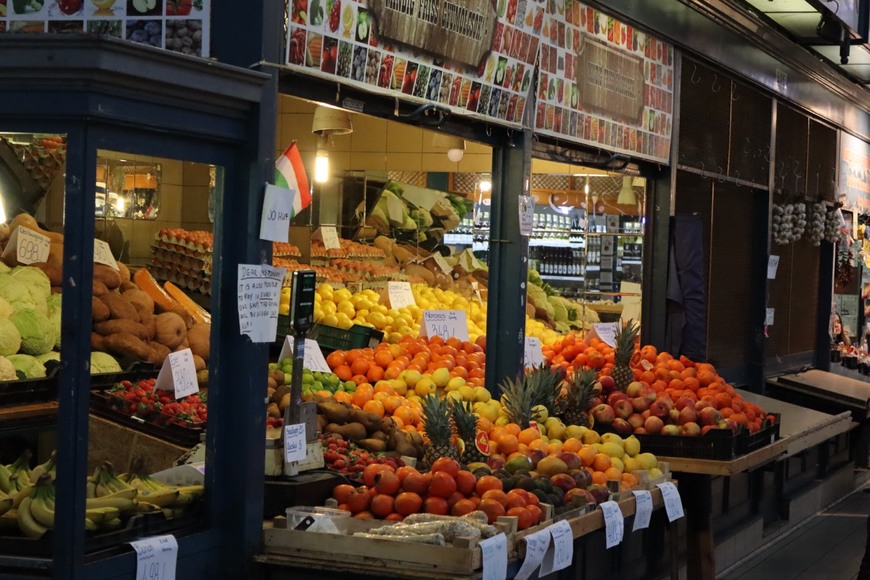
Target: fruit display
348	459
159	407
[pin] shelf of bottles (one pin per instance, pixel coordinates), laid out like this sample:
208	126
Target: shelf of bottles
614	254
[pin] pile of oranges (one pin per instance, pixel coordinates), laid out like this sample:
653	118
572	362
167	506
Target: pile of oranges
573	352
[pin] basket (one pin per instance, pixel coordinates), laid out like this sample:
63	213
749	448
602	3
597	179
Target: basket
331	338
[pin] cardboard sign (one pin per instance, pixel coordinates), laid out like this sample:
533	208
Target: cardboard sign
259	290
673	501
527	214
606	332
103	254
442	263
400	295
614	524
29	246
444	323
330	238
772	266
277	211
495	557
313	357
295	447
561	551
156	557
536	547
533	356
643	509
178	374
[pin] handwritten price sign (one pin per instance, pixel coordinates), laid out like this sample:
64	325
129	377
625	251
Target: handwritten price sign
156	558
178	374
29	246
445	323
277	211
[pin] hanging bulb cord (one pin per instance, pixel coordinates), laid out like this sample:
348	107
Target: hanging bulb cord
430	115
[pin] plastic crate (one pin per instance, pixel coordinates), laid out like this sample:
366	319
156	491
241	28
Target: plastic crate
747	442
331	338
716	444
103	406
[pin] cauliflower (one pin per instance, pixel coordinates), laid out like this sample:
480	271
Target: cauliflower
10	337
102	362
34	278
53	303
7	370
37	332
28	366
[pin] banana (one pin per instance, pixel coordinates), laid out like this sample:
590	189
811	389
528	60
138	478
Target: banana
164	498
18	481
40	511
21	495
196	491
145	507
122	504
47	467
91	488
29	526
90	526
114	524
99	515
5	505
124	494
5	486
184	499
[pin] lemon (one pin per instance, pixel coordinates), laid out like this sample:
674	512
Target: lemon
343	321
346	307
329	307
331	319
342	294
482	395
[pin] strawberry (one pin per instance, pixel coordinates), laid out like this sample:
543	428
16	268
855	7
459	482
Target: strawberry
182	7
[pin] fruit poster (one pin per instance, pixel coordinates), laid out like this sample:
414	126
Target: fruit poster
177	25
571	33
338	39
854	172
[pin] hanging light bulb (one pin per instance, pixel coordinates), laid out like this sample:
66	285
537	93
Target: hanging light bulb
120	206
321	166
626	194
485	183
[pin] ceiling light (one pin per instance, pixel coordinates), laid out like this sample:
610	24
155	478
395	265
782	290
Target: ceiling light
454	146
321	166
626	194
329	121
485	183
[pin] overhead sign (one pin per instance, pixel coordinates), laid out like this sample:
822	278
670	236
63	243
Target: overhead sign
610	80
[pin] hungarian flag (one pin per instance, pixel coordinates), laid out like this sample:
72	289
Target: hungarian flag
290	174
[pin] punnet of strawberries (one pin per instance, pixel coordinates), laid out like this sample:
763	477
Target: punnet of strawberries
159	407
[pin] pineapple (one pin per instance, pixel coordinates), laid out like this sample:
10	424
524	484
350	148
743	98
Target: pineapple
575	403
466	426
517	399
622	374
439	430
547	384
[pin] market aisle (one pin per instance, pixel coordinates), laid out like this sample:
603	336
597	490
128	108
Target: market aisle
829	546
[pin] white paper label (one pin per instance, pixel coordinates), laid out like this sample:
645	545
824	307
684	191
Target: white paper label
400	294
536	547
442	263
330	238
277	211
533	356
673	501
646	365
445	323
768	316
178	374
561	552
607	331
295	448
476	287
29	246
156	558
259	290
772	265
614	524
312	356
527	214
643	509
103	254
395	208
422	197
495	557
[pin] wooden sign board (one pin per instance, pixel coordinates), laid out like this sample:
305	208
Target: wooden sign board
458	31
610	80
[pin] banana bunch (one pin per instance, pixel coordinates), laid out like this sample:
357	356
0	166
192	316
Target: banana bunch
157	495
16	476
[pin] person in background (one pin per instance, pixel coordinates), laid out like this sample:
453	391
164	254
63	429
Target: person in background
839	334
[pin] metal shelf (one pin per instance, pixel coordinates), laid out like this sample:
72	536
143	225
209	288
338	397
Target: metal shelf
616	234
560	278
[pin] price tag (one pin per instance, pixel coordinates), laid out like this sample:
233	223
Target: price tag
533	356
614	524
561	552
646	365
313	357
445	323
178	374
536	547
400	294
494	552
156	558
29	246
259	290
330	238
643	509
295	447
442	263
476	287
768	316
527	214
673	501
606	332
772	265
103	254
277	211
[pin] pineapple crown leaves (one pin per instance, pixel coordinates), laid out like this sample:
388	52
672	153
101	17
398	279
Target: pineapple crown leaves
545	384
625	339
518	399
436	415
463	417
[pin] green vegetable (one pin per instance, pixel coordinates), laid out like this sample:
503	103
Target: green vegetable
24	6
53	304
37	332
21	296
102	362
7	370
10	338
51	355
27	366
6	309
33	277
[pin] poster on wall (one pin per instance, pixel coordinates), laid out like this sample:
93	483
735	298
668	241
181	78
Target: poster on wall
854	173
603	83
177	25
339	40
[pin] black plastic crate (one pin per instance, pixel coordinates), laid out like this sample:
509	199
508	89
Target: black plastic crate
102	405
717	444
136	371
746	442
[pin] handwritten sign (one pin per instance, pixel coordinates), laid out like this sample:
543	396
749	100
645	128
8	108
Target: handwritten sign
258	291
527	214
295	447
178	374
400	294
103	254
533	356
768	316
614	525
643	509
29	246
156	557
312	355
330	238
445	323
495	557
536	547
673	501
606	332
561	552
442	263
772	266
277	211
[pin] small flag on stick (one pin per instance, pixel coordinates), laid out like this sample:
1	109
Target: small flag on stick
290	174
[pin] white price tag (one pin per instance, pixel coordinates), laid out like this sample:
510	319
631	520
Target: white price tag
533	356
527	214
295	447
400	294
476	287
178	374
259	290
277	211
536	547
312	355
561	552
29	246
495	557
156	558
103	254
614	524
442	263
329	235
643	509
606	332
673	501
772	265
768	316
445	323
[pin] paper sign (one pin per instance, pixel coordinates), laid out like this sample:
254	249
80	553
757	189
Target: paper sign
772	265
561	551
103	254
30	247
494	551
156	558
536	547
295	447
533	356
614	524
673	502
445	323
395	208
442	263
768	316
422	197
643	509
527	214
258	290
277	211
312	356
476	287
606	331
330	238
400	295
178	374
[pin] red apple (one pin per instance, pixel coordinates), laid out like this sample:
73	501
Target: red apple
563	481
670	430
729	424
535	455
582	477
690	429
646	415
634	389
616	396
709	416
640	404
572	460
635	420
653	425
684	402
674	416
687	415
702	405
603	414
623	408
622	426
607	384
707	428
640	431
650	395
660	409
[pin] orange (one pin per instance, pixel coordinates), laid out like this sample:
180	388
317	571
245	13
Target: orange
630	479
587	455
487	483
343	372
335	359
508	443
343	397
375	373
599	478
613	474
528	435
602	462
352	355
513	429
492	509
572	445
359	366
383	358
484	425
375	407
384	387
